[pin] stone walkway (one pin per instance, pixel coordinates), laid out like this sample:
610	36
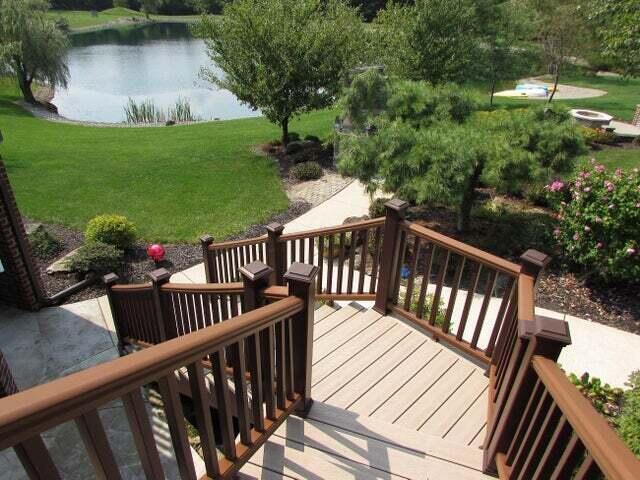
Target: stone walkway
315	192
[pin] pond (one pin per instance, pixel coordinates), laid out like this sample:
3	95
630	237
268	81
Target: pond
160	62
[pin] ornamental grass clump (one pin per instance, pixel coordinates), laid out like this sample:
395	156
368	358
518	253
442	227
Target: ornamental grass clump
599	222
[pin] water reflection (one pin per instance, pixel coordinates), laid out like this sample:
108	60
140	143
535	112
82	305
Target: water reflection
159	61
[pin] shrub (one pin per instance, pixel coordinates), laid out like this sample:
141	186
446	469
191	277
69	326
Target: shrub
599	224
377	208
428	303
604	398
628	422
115	230
96	257
598	135
306	171
43	244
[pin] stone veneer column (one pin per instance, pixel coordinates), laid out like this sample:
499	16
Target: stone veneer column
636	117
20	283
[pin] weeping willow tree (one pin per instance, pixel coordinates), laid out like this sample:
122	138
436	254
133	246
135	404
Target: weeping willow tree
32	47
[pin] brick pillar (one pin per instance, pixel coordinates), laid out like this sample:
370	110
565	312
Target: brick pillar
20	282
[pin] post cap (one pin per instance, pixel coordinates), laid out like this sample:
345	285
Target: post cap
206	239
110	279
301	272
256	271
397	205
276	228
160	275
552	329
535	258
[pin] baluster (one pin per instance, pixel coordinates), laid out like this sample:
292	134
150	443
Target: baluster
175	419
280	366
268	373
330	265
412	274
202	410
490	285
321	263
375	260
222	401
454	294
502	316
588	469
352	259
468	301
341	262
435	306
302	250
255	368
364	248
542	437
143	434
109	281
551	456
97	445
237	354
426	278
568	462
209	266
397	274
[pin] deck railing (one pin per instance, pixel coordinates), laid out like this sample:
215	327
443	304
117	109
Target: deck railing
268	345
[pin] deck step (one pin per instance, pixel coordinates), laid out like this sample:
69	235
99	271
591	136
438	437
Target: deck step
333	443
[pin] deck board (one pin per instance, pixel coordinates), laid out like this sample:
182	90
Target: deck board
466	429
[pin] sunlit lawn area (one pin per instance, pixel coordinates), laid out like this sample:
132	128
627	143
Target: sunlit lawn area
175	183
81	19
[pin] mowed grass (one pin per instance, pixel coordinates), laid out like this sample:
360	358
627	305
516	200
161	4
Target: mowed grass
620	101
82	19
175	183
616	157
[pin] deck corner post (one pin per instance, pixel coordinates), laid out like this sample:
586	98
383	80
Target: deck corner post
158	278
301	280
209	268
109	280
255	278
534	262
275	258
396	212
546	337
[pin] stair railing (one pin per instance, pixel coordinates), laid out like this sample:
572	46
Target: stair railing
268	345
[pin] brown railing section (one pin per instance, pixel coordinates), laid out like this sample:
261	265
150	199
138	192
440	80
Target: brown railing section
347	257
269	346
148	314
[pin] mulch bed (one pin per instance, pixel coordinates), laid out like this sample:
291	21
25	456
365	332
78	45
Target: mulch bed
136	265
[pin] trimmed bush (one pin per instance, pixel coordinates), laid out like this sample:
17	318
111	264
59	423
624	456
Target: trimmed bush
96	257
604	398
43	244
599	222
115	230
377	208
306	171
628	422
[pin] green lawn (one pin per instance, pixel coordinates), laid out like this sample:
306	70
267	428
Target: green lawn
175	183
622	95
625	158
80	19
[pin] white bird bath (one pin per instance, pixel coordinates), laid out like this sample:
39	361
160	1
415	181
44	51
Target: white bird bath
591	118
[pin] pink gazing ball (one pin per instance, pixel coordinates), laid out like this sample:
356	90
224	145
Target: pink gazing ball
156	252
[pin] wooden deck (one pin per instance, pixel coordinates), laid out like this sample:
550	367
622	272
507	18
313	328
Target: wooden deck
389	402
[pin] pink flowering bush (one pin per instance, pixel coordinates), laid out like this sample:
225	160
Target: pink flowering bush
599	222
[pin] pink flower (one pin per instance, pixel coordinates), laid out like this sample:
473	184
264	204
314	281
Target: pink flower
609	185
631	251
618	172
599	168
576	237
556	232
587	189
564	204
599	245
587	228
611	206
556	186
598	220
638	205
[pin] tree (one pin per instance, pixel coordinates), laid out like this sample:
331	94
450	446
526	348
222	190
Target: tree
149	6
38	47
617	28
435	40
284	57
432	144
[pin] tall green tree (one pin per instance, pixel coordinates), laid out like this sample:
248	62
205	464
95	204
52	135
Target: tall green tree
38	47
617	29
284	57
149	6
433	40
431	144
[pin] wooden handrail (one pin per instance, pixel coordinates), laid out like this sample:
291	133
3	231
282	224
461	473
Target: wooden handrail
348	227
33	411
133	287
221	288
613	457
238	243
463	249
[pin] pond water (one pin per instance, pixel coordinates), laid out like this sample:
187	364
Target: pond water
161	62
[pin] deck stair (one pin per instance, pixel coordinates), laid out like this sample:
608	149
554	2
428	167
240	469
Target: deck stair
389	402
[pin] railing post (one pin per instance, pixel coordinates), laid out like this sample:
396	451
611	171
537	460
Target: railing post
158	278
275	258
210	271
301	281
546	337
534	262
255	278
109	280
396	211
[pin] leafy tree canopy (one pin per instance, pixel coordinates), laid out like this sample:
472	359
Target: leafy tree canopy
33	46
433	144
284	57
